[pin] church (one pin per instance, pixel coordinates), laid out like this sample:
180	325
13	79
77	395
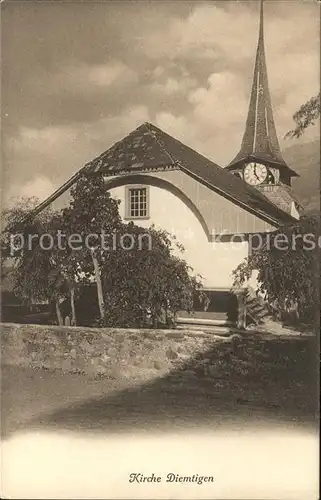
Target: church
211	210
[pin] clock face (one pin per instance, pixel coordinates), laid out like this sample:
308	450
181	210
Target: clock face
255	173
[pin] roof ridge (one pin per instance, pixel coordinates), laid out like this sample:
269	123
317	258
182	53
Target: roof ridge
114	146
185	146
160	142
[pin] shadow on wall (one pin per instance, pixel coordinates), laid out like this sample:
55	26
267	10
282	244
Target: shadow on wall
246	382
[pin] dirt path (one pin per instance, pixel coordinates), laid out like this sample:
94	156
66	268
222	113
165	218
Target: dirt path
28	393
70	437
37	399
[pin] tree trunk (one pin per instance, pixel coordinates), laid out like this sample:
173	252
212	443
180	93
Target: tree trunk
100	294
59	315
73	307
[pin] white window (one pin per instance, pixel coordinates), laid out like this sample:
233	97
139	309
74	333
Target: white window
137	202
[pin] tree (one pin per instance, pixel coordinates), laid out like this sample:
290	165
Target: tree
145	282
288	268
40	271
14	247
306	116
92	211
63	273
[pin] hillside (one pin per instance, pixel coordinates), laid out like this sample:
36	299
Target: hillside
304	158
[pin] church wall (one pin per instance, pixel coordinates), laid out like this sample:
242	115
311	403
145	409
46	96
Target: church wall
214	260
220	215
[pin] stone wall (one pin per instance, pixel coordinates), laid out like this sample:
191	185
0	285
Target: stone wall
107	352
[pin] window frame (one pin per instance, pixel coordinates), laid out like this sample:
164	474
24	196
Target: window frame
128	190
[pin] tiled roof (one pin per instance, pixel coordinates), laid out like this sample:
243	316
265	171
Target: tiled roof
148	148
137	151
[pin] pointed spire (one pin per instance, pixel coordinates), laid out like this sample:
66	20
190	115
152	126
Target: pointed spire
260	140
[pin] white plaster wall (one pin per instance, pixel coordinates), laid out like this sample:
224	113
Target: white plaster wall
214	261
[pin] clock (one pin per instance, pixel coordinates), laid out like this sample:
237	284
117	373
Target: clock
255	173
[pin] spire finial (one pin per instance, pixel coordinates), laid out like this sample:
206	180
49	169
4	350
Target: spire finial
261	31
261	14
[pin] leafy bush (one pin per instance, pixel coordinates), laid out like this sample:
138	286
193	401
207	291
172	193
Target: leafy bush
288	277
147	285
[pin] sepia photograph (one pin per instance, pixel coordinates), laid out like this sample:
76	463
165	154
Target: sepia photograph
160	249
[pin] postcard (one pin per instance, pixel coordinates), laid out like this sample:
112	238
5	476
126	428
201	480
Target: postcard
160	249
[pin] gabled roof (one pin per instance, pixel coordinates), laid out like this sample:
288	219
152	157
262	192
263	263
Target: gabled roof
148	148
260	141
138	151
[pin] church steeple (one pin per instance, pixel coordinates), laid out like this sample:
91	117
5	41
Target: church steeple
260	142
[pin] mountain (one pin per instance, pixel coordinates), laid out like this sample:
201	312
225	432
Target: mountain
304	158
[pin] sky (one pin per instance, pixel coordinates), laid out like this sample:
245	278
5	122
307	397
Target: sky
78	76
